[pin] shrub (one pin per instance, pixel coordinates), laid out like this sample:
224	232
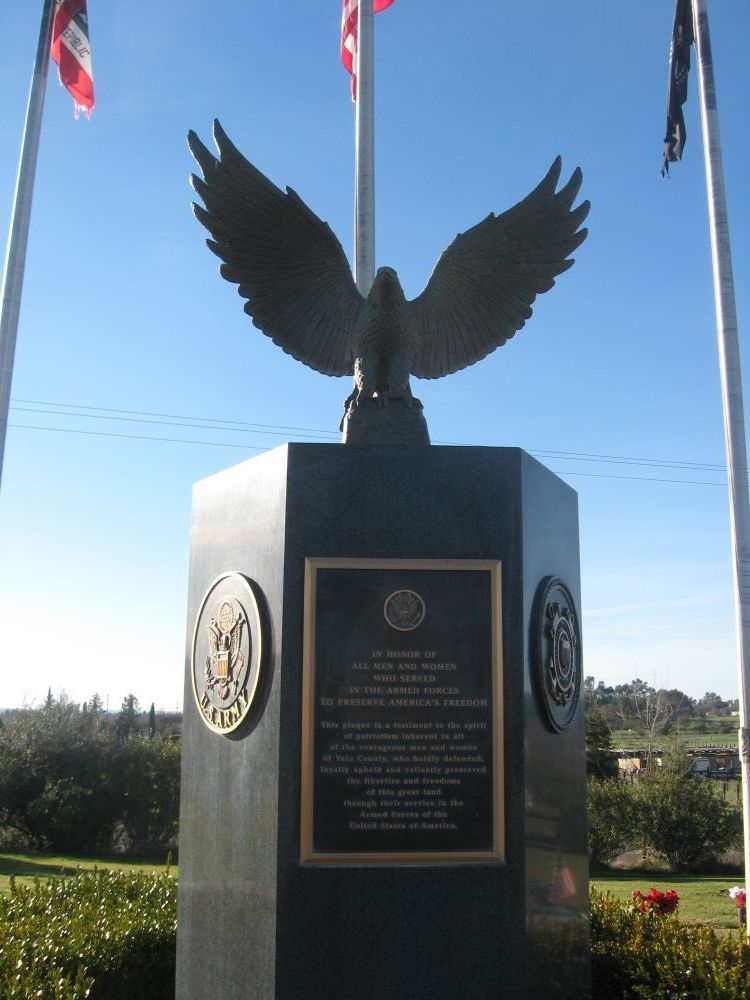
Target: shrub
103	936
54	781
69	783
147	776
683	819
645	955
611	815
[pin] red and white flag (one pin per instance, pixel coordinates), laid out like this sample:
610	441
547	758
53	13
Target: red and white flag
349	35
71	52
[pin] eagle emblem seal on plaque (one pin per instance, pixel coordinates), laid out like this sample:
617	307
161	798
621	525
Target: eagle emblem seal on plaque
226	654
557	653
404	610
226	658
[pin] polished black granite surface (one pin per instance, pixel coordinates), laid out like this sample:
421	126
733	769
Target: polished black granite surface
254	923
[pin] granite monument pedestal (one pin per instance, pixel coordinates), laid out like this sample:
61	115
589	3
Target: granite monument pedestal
401	811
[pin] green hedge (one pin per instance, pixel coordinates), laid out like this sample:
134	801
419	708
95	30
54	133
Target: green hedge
101	936
111	936
636	955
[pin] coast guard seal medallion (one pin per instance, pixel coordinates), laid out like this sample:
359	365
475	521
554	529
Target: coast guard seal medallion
557	653
226	655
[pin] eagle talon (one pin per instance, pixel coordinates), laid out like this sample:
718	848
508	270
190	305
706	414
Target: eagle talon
350	404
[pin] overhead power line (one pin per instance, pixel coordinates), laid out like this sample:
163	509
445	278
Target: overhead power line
171	416
164	423
136	437
226	425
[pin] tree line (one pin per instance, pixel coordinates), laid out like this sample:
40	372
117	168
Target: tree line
639	705
74	778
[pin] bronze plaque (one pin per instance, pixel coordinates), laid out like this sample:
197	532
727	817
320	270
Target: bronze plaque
402	712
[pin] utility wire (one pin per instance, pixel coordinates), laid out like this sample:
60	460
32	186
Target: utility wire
166	423
73	410
279	428
172	416
136	437
248	447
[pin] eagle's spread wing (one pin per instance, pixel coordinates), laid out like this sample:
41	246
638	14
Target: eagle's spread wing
288	263
481	290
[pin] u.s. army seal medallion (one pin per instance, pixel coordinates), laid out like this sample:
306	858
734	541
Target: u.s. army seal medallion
227	652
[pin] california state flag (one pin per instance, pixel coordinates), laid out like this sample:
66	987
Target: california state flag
71	52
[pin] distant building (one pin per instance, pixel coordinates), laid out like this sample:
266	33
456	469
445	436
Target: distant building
721	763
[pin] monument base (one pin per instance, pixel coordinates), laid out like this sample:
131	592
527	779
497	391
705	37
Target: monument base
401	813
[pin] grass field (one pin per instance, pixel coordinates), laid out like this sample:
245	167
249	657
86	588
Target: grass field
638	739
26	867
704	899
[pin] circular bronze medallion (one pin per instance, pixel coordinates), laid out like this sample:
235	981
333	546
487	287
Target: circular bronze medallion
557	653
404	610
226	655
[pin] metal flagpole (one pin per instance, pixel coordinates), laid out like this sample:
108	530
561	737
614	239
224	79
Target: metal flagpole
731	389
364	169
15	257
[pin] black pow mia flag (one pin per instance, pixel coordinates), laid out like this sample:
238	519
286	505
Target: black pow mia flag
679	65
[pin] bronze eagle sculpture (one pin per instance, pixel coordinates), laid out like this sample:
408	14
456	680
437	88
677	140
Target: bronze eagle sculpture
294	274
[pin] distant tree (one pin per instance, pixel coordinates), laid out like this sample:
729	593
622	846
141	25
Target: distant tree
151	722
712	704
127	720
676	705
95	704
92	714
54	781
631	702
49	701
599	759
589	693
638	705
661	711
632	705
599	693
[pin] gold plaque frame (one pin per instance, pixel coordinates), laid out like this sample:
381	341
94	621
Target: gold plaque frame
308	854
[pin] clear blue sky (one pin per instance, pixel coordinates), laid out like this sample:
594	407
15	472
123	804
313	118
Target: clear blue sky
123	309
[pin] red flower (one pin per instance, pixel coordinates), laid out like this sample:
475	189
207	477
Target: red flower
656	901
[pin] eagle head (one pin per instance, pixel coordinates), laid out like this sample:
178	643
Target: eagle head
386	289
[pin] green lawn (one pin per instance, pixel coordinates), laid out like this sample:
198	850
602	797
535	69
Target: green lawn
704	899
29	866
639	739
